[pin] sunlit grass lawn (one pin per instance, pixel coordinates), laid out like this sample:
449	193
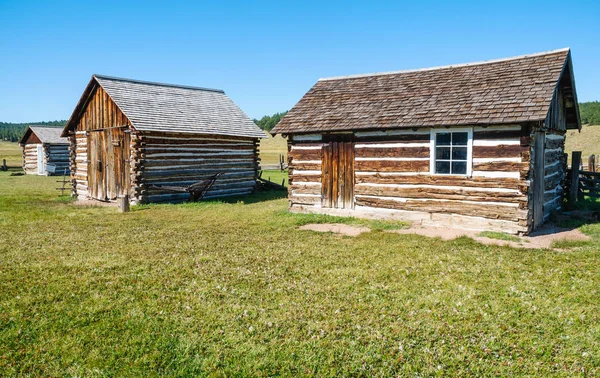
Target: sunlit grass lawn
276	176
12	153
233	288
271	148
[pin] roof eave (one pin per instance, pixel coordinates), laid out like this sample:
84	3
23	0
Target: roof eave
28	131
404	127
78	111
575	101
81	105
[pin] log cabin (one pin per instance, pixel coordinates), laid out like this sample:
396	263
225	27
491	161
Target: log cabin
132	138
477	146
45	152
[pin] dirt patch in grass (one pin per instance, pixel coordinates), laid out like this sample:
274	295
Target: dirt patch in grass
548	236
336	228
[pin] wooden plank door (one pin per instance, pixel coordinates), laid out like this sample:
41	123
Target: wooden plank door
97	165
337	179
117	169
538	178
108	168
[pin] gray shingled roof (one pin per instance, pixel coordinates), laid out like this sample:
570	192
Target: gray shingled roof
508	90
174	108
49	135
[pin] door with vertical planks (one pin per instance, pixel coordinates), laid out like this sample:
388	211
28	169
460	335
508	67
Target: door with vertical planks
337	179
108	163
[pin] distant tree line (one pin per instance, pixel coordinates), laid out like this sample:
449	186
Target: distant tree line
14	131
590	112
267	123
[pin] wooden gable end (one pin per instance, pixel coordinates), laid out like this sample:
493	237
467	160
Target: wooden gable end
32	139
101	112
563	113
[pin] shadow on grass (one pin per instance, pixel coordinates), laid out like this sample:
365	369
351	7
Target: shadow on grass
247	199
254	197
584	212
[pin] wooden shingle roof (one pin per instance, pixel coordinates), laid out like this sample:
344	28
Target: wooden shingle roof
48	135
509	90
172	108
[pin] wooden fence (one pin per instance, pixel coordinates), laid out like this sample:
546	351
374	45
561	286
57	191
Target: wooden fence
582	183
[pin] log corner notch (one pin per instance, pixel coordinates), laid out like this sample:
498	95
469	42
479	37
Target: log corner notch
113	155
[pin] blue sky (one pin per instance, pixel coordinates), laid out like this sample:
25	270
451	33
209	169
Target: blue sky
266	55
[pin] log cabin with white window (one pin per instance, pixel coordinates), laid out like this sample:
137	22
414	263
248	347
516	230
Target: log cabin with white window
146	141
45	152
477	146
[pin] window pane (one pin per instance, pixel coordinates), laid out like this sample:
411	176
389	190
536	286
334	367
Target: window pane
442	167
459	167
442	153
443	139
460	139
459	153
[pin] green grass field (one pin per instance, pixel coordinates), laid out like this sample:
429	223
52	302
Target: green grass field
270	149
12	153
587	141
235	289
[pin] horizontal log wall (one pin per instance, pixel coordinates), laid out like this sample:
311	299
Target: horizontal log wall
79	164
30	159
57	154
304	169
392	173
184	159
554	171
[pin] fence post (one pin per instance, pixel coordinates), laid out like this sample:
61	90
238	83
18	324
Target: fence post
592	163
124	204
575	167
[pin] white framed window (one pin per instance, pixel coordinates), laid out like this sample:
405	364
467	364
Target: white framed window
451	151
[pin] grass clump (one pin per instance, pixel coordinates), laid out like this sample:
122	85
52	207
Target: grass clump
499	236
569	244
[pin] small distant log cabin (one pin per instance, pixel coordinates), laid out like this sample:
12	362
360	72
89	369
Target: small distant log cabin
477	146
45	152
130	137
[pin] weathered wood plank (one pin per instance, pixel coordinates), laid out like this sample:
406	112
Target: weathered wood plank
306	166
304	200
408	137
500	151
306	154
404	152
500	166
448	207
392	165
437	193
499	134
